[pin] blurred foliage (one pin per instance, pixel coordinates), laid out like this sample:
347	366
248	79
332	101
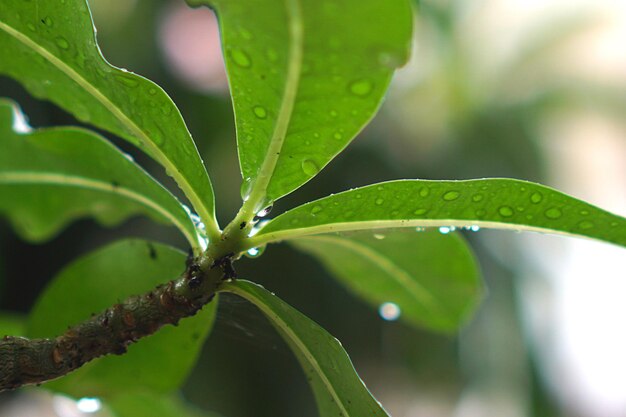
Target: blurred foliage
453	122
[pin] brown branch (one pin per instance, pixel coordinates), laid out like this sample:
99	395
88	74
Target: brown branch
33	361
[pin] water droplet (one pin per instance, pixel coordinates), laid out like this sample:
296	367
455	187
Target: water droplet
584	212
480	213
246	34
379	236
420	211
506	211
553	213
444	230
127	80
474	228
451	195
89	405
337	135
272	55
260	112
389	311
310	168
316	135
379	201
358	196
255	252
264	211
47	21
477	197
240	58
62	42
31	27
424	192
333	113
129	157
420	229
152	91
585	224
536	198
246	187
361	87
316	209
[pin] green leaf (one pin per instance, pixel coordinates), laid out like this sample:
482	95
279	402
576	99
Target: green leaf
49	177
491	203
305	77
51	48
12	324
144	404
338	389
432	278
100	279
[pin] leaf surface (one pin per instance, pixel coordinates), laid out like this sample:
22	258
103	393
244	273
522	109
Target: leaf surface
49	177
100	279
50	47
432	278
305	77
338	389
493	203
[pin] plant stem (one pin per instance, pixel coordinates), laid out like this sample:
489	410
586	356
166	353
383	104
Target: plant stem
33	361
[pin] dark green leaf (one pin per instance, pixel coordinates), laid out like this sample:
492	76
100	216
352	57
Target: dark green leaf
51	48
494	203
338	389
49	177
144	404
432	278
12	324
96	281
305	77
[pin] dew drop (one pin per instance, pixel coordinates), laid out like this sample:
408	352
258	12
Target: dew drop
316	209
333	113
31	27
584	212
246	187
337	135
255	252
451	195
506	211
361	87
420	211
477	197
480	213
536	198
47	21
444	230
379	201
62	42
553	213
310	168
379	236
126	80
585	224
424	192
272	55
240	58
260	112
89	405
389	311
474	228
264	211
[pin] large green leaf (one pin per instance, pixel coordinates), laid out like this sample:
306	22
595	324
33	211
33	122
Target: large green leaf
100	279
49	177
144	404
431	278
338	389
305	77
50	47
493	203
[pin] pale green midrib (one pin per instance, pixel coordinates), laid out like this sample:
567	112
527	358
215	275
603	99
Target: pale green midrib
137	131
294	338
87	183
269	237
421	294
258	192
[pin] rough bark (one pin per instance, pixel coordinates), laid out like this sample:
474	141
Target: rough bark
26	361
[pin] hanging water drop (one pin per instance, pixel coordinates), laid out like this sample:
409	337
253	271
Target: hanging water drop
255	252
389	311
264	211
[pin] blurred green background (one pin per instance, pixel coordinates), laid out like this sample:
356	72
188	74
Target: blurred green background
469	105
